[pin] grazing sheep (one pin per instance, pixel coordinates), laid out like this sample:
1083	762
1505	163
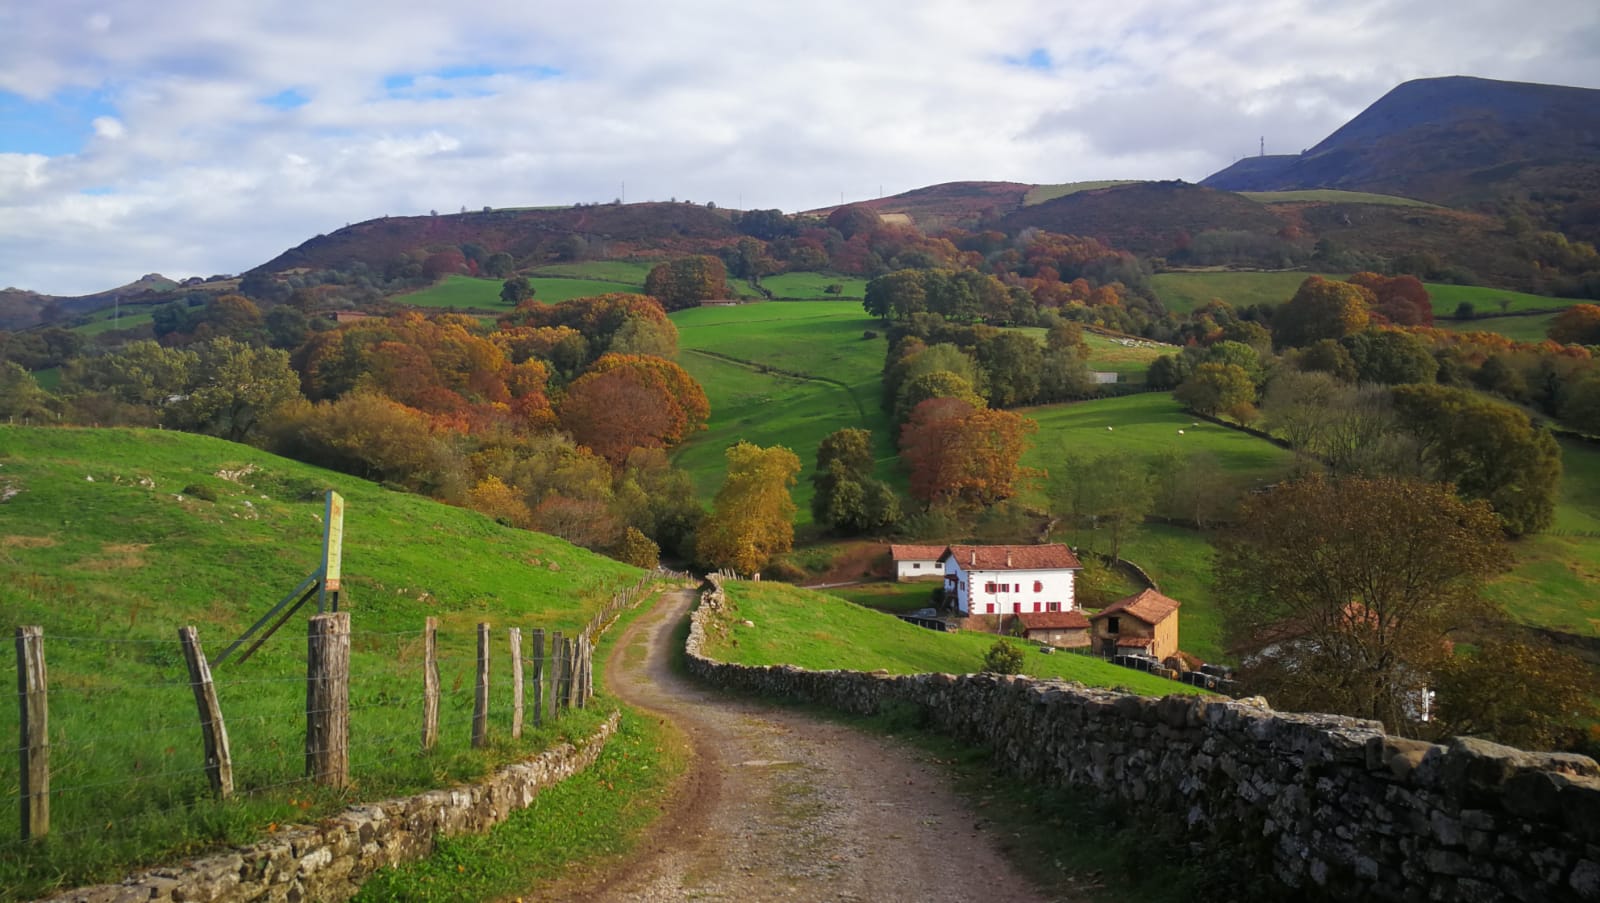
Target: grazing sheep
1180	432
1108	429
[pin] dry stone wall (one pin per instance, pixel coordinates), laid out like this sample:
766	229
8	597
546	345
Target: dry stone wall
1331	806
328	861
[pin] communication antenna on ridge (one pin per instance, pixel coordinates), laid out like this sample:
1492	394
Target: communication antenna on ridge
1263	145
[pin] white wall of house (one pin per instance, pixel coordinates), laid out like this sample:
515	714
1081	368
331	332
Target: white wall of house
1009	592
912	569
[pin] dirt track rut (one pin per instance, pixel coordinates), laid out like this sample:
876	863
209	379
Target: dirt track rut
781	806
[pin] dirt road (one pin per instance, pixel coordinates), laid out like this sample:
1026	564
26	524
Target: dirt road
780	806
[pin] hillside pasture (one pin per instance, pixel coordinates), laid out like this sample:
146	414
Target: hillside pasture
813	287
821	631
1038	194
1331	196
470	293
630	272
116	538
782	373
1183	291
112	320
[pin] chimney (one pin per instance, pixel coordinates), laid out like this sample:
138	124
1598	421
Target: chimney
1008	556
972	558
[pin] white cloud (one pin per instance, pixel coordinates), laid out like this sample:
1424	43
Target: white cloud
771	105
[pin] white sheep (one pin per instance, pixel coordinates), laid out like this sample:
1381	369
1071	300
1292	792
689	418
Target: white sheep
1180	432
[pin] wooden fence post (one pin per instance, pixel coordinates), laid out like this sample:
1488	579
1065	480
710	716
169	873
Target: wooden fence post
328	699
213	732
516	682
480	698
430	683
34	729
557	647
569	657
538	676
583	671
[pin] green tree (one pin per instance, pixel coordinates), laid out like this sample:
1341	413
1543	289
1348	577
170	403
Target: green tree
20	395
1240	355
1488	450
1521	692
1216	389
1349	589
936	384
1012	363
1111	492
896	295
234	388
1004	657
751	519
1391	357
847	498
1321	310
638	550
516	290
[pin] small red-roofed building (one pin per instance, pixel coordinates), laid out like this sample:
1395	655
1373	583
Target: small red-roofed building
1145	622
1010	580
912	562
1062	629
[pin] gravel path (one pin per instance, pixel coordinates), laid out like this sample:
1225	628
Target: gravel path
780	806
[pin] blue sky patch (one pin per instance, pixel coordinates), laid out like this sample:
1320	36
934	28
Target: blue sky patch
404	84
287	99
1037	58
54	127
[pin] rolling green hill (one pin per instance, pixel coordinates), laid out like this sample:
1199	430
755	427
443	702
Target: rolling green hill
822	631
112	539
1184	291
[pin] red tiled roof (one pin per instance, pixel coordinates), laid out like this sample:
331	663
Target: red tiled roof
1149	606
1054	620
1054	556
915	553
1135	642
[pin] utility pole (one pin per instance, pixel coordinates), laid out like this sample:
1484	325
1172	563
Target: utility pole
1263	145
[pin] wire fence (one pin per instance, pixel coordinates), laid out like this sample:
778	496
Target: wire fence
115	744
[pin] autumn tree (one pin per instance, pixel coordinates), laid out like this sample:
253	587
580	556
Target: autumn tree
1347	590
625	402
687	281
751	519
847	498
1402	300
961	454
1489	450
1517	690
515	290
1321	310
1390	357
1576	325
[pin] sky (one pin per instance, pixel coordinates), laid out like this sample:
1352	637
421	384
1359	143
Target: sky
198	137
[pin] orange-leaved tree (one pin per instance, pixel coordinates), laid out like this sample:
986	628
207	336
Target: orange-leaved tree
961	454
628	401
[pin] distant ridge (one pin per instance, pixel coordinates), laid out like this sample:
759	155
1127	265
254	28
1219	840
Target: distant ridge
1456	140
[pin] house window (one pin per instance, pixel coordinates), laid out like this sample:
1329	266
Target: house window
1038	586
1017	587
916	565
1005	587
991	608
1036	606
988	587
1112	625
1016	608
1052	606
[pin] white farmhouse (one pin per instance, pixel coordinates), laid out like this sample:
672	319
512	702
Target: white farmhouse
916	562
987	580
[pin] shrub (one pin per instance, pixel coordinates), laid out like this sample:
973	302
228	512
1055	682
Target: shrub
1004	657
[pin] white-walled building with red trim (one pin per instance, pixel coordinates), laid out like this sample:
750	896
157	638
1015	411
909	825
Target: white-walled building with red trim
1005	580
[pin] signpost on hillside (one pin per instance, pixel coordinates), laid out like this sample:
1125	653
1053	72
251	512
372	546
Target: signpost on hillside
322	582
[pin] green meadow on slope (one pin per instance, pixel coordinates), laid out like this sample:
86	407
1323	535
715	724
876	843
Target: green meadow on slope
1182	292
820	631
112	539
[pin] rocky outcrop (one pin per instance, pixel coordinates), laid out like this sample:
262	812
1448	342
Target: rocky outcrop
328	861
1329	805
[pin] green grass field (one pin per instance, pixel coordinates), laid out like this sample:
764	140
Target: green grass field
1182	292
819	631
1331	196
1141	426
1041	193
811	287
112	319
889	596
632	272
1180	562
113	541
1552	582
1532	328
830	381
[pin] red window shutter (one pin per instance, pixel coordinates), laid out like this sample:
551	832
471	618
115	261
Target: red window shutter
1038	586
1036	606
988	587
991	608
1016	608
